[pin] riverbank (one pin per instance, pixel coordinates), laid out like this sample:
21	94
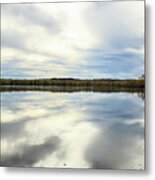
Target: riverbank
95	83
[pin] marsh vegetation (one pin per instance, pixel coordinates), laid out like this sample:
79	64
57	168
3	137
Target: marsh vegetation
129	83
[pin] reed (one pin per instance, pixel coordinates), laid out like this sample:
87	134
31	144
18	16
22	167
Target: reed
102	83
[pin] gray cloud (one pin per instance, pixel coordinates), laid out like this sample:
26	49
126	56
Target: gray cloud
25	16
92	43
116	147
13	130
115	25
13	39
118	118
28	155
30	14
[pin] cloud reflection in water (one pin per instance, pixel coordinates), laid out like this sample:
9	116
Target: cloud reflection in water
77	130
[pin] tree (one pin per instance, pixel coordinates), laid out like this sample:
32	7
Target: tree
142	76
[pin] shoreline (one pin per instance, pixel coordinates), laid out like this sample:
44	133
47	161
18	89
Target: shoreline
69	82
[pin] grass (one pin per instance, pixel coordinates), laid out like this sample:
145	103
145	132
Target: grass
69	82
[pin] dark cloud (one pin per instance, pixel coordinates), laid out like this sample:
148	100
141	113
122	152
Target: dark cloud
115	26
112	25
116	116
12	130
116	147
12	39
15	130
117	143
114	63
28	155
114	108
31	15
25	16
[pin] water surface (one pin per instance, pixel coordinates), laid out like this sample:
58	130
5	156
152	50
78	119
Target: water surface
72	130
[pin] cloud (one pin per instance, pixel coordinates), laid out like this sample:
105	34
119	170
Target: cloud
117	24
28	155
29	14
12	39
44	130
85	40
118	149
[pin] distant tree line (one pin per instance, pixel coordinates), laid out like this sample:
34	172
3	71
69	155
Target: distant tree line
128	83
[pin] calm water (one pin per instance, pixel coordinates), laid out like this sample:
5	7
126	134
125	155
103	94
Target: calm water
72	130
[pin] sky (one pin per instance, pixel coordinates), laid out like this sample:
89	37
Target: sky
80	40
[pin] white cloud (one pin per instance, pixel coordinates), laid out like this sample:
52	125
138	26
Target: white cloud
89	136
39	34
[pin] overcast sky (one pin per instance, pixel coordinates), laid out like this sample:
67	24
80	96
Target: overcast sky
79	40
